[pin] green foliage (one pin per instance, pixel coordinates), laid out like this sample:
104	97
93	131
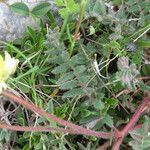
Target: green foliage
69	7
141	137
90	82
38	11
127	74
41	9
146	70
4	135
20	8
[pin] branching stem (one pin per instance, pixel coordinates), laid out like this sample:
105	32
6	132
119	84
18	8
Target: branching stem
132	122
43	113
118	136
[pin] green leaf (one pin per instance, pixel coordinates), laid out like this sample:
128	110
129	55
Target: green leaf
64	13
108	120
84	78
65	77
143	86
146	70
127	73
79	69
143	43
69	85
73	7
60	69
106	51
99	7
115	45
76	60
20	8
41	9
98	104
74	92
137	57
69	7
4	134
51	19
81	146
59	3
134	8
50	107
20	117
22	87
111	102
121	13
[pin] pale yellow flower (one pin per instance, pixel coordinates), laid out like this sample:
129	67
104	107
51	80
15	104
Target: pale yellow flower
7	68
10	63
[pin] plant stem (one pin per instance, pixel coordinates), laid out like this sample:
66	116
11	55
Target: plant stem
43	129
37	129
82	11
64	26
117	144
78	25
75	129
136	116
132	122
41	112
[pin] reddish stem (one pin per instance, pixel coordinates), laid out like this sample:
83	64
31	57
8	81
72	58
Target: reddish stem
75	129
41	112
117	144
38	128
136	116
49	129
132	122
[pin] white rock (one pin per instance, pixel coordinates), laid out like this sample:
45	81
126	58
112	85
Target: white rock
13	25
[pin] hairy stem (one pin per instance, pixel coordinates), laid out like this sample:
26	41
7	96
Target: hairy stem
36	129
50	129
136	116
43	113
117	144
75	129
132	122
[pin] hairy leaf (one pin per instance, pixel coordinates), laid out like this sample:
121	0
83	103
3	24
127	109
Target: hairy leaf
20	8
41	9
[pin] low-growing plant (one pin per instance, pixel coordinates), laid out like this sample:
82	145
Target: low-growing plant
87	81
